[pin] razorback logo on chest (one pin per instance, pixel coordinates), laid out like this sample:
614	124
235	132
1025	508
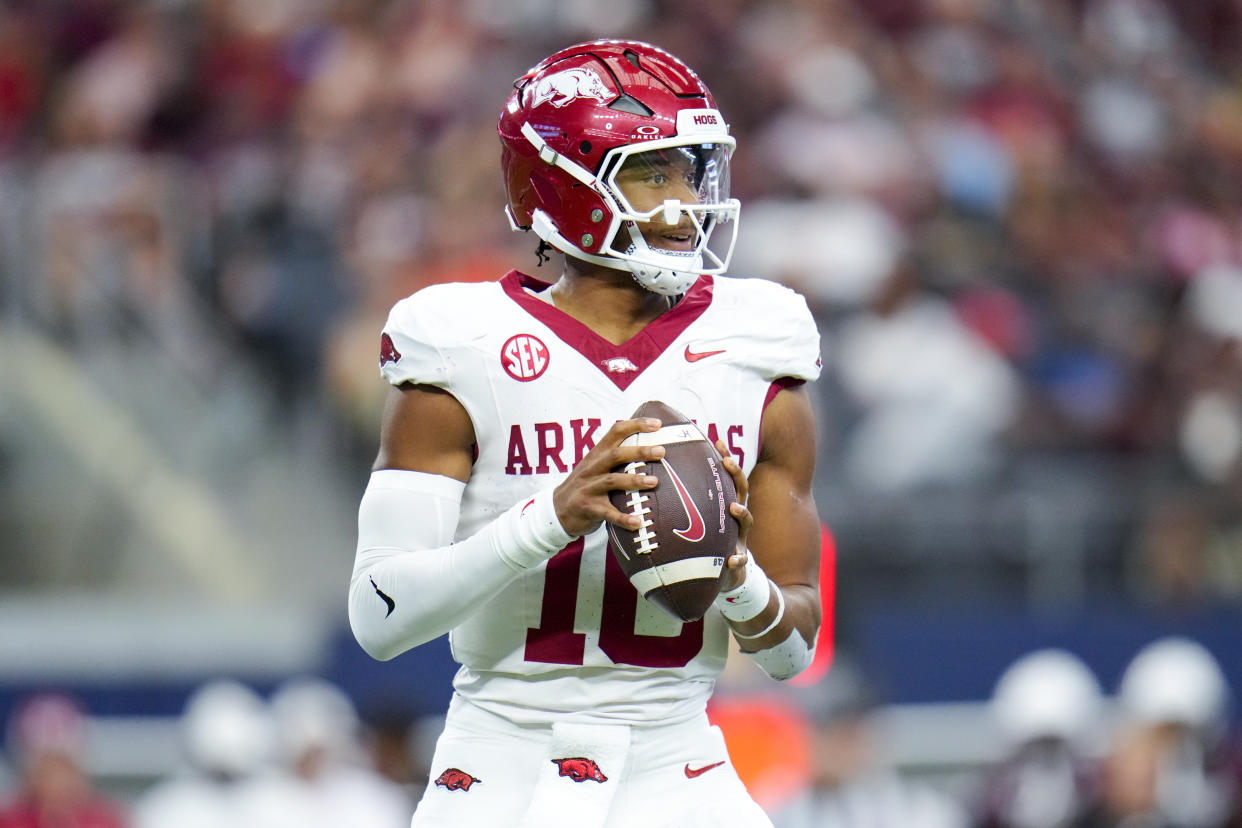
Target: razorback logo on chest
543	448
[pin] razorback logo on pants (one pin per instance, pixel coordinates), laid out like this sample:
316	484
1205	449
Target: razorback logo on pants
580	769
456	780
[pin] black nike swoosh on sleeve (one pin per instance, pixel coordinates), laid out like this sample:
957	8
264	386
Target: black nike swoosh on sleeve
392	605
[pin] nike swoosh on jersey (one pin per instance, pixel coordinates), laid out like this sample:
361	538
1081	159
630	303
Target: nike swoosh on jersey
691	356
392	605
691	773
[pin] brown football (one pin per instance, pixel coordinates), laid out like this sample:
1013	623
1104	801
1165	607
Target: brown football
676	558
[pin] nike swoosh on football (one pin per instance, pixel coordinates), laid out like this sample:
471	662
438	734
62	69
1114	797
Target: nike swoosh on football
697	529
392	605
691	356
691	773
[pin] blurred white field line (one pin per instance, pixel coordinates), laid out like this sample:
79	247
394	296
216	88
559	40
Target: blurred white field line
180	514
97	641
129	753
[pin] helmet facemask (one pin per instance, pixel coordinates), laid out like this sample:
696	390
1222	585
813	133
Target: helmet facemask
675	188
670	196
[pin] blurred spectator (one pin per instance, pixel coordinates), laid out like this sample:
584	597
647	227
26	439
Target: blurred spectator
47	737
1170	764
849	248
1047	707
400	749
852	782
1210	431
227	741
932	399
1187	554
23	72
325	778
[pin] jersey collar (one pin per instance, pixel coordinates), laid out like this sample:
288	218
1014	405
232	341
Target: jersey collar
640	350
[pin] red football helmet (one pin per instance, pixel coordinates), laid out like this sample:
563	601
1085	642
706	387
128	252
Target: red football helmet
582	115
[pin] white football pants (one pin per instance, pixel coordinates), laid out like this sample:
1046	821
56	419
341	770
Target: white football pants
491	773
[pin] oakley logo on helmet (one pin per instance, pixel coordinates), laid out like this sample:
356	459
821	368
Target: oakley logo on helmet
565	87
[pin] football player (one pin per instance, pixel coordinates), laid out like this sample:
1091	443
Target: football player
577	702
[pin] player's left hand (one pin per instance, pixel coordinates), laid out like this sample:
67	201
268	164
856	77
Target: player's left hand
735	565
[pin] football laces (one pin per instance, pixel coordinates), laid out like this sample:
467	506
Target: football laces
644	539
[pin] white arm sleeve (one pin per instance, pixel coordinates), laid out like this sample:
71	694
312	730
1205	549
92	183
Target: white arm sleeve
410	584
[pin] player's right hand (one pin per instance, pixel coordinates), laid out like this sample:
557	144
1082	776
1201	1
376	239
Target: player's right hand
581	500
735	564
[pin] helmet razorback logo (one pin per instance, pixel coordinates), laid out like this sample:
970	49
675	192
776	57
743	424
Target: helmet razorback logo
567	86
388	351
455	779
580	769
524	357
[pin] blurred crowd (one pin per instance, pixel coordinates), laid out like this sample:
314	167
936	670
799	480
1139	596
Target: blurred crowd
301	757
1017	220
1161	751
1167	754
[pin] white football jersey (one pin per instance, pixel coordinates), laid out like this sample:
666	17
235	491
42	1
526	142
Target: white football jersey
572	637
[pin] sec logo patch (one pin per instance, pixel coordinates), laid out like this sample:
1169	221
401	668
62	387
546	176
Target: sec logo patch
524	357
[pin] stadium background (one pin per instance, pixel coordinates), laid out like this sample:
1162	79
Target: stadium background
1017	222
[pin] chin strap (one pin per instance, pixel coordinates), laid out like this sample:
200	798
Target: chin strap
663	280
541	253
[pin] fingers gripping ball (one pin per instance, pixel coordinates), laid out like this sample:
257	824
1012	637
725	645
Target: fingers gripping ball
675	559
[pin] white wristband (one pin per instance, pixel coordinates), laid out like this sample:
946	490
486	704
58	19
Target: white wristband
746	601
780	613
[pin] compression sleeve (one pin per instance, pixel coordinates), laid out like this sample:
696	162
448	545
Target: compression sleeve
410	584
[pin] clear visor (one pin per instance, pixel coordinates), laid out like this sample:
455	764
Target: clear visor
696	175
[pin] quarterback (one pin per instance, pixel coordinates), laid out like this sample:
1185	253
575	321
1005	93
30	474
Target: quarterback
577	701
